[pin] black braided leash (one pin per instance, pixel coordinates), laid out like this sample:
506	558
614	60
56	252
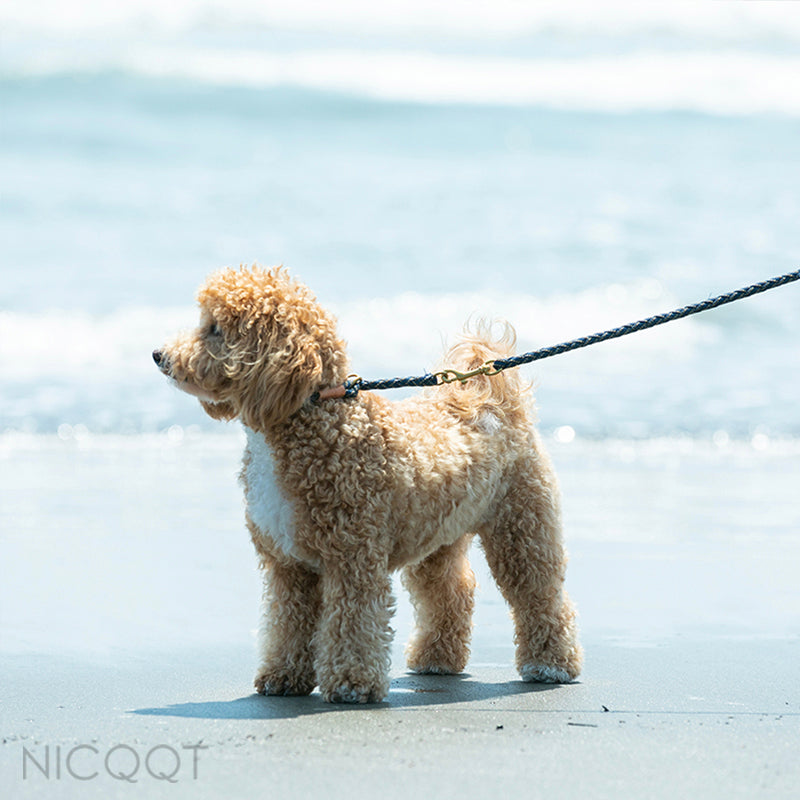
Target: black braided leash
650	322
354	383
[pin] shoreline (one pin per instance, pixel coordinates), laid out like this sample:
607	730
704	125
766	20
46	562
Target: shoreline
129	609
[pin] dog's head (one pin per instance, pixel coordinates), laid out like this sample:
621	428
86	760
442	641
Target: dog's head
262	348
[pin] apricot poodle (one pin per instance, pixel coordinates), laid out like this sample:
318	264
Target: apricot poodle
342	492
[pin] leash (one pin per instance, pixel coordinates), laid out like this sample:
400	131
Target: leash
354	383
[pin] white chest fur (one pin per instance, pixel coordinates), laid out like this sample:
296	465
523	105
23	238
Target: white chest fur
269	509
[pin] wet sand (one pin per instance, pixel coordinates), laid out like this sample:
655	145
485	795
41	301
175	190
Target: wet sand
130	597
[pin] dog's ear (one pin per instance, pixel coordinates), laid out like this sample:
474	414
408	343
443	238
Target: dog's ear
223	411
280	389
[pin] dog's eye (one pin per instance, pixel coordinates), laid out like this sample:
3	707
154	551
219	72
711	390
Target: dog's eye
215	330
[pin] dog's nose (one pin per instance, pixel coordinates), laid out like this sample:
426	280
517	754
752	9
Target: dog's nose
158	357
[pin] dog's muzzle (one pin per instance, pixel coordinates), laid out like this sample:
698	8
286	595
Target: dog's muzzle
162	362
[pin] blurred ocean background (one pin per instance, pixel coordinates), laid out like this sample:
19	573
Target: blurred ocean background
568	167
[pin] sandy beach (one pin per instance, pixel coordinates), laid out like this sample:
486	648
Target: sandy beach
131	596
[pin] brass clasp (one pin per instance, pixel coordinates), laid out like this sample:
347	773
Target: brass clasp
453	375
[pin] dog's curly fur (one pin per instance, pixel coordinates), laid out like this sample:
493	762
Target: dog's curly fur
342	492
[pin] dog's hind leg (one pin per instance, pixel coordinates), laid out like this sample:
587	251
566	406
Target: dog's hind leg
442	589
291	612
524	550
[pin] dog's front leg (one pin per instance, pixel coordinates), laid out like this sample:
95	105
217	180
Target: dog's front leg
290	614
354	638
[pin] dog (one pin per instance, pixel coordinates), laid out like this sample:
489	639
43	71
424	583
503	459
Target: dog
341	492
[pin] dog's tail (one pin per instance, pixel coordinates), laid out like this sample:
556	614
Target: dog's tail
503	396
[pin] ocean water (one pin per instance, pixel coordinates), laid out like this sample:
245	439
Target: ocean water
567	169
566	166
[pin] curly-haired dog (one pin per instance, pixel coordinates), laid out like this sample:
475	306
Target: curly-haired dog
341	492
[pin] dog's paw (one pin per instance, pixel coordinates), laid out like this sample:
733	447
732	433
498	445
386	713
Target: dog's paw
433	669
539	673
432	655
282	684
354	694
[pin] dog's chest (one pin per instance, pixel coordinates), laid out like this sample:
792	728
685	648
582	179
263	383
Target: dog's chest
267	506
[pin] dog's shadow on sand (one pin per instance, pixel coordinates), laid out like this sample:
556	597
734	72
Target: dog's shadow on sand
407	691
